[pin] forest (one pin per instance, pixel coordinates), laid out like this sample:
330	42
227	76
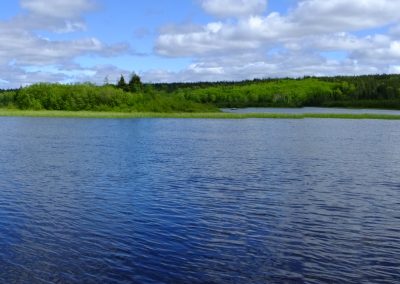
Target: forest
369	91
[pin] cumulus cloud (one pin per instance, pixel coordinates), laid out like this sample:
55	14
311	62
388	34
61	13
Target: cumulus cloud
214	37
344	15
26	48
234	8
288	65
14	76
309	29
57	15
309	18
21	47
243	41
57	8
240	66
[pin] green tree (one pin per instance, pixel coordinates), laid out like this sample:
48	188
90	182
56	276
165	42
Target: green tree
121	83
135	84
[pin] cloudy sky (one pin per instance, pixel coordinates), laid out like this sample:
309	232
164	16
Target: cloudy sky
195	40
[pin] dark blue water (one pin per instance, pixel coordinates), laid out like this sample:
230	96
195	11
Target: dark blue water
199	201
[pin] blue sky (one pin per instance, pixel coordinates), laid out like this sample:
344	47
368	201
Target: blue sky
195	40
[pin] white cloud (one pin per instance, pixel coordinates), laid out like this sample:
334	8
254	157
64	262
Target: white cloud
309	18
57	15
58	8
21	47
344	15
25	47
293	66
16	76
395	31
234	8
213	37
299	40
314	37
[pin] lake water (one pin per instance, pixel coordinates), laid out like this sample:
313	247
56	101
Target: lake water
199	201
312	110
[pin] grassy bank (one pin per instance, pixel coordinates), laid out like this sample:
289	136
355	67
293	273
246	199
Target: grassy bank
216	115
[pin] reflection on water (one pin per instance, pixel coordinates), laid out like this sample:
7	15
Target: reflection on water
199	201
311	110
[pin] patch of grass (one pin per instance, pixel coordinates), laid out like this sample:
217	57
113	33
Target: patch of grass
352	116
211	115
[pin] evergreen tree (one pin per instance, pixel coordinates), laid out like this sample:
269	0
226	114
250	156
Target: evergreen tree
135	85
121	83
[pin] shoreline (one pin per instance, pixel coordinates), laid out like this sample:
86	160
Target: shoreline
210	115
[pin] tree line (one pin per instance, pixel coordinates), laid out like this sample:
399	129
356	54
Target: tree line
368	91
371	91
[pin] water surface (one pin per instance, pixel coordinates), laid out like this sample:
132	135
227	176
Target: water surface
199	201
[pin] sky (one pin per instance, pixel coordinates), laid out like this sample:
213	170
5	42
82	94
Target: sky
96	41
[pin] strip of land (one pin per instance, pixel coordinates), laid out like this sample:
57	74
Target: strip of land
208	115
205	99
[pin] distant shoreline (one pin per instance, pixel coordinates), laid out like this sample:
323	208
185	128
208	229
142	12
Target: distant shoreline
182	115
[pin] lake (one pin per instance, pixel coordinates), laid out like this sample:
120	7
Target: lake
199	201
312	110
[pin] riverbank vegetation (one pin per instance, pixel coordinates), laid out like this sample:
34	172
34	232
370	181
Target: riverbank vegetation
186	115
374	91
79	97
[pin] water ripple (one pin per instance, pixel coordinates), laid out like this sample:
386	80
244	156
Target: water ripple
199	201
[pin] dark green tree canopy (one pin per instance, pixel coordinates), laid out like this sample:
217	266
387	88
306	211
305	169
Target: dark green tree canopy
135	84
121	83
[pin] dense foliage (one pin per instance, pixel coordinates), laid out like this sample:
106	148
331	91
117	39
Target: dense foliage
279	93
375	91
90	97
